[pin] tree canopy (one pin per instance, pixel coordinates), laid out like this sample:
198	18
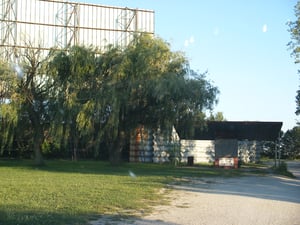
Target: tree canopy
291	143
80	100
294	45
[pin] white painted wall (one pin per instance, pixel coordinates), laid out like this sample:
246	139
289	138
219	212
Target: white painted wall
203	151
249	151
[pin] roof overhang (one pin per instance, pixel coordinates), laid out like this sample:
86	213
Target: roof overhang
241	130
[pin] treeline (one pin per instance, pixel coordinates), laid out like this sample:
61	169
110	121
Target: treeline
80	102
288	146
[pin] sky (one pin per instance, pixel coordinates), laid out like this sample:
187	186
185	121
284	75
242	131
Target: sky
241	44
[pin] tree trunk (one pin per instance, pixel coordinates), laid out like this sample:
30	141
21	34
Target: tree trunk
75	149
115	152
39	161
37	142
74	141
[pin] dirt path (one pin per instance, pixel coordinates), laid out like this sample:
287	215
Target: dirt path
259	200
239	201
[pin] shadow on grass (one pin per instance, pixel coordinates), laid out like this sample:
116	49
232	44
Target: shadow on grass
19	216
12	215
105	168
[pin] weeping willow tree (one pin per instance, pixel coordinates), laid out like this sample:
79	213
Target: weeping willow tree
25	113
78	98
102	97
151	86
73	74
32	101
8	113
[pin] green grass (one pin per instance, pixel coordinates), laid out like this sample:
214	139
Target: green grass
66	192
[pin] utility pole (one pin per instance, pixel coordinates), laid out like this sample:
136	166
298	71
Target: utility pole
279	150
275	154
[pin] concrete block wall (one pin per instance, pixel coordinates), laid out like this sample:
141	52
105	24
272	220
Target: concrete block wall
147	145
162	144
141	145
155	146
249	151
203	151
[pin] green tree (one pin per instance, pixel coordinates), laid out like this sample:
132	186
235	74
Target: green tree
8	114
32	101
73	74
151	87
291	143
216	117
294	45
100	98
8	82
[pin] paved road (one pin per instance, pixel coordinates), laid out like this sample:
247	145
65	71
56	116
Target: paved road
294	167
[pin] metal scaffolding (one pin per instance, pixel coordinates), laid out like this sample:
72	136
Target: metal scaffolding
9	28
67	19
46	24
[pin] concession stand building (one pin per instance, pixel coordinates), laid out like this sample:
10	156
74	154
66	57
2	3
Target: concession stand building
223	142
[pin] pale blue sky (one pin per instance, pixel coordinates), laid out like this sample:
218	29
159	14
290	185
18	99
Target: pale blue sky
242	45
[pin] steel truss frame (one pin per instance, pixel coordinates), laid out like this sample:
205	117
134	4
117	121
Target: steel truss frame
46	24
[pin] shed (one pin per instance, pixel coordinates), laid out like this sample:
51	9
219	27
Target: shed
218	139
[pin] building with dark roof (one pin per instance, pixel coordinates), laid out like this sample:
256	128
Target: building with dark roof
216	141
229	139
240	130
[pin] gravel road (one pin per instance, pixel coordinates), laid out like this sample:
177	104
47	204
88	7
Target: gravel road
247	200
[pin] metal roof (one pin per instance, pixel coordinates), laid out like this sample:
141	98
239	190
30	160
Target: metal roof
241	130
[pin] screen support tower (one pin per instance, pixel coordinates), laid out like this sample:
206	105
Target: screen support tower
8	29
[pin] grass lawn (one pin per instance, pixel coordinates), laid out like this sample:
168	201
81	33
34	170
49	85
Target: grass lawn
66	192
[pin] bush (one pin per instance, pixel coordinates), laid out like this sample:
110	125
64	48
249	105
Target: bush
51	150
